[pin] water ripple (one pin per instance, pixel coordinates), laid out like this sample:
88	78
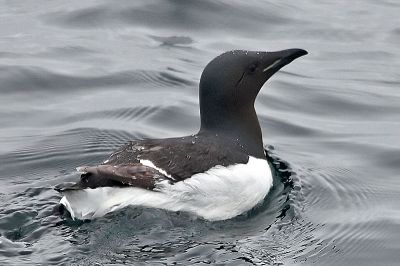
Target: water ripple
77	80
185	15
128	114
87	144
17	79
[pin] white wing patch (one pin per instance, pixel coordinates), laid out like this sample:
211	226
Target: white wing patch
151	164
218	194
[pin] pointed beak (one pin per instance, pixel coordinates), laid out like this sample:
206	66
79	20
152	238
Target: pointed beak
276	60
292	54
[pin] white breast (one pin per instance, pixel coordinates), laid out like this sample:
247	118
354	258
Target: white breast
218	194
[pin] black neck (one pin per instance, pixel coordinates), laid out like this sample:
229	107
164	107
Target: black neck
240	126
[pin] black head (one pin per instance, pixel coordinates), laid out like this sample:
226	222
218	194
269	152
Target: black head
228	88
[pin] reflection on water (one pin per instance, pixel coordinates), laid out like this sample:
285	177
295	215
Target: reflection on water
79	79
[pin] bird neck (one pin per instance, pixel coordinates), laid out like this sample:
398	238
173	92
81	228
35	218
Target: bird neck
240	126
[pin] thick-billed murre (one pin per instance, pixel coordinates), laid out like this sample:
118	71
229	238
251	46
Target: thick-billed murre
218	173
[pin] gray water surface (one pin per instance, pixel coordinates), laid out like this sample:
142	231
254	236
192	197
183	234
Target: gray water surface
80	78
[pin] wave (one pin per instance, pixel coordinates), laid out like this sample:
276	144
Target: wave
17	79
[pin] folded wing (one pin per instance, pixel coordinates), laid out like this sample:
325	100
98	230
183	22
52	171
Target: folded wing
120	175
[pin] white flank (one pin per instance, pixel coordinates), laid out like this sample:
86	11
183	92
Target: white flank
272	65
218	194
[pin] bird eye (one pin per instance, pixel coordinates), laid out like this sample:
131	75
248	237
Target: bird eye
252	68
